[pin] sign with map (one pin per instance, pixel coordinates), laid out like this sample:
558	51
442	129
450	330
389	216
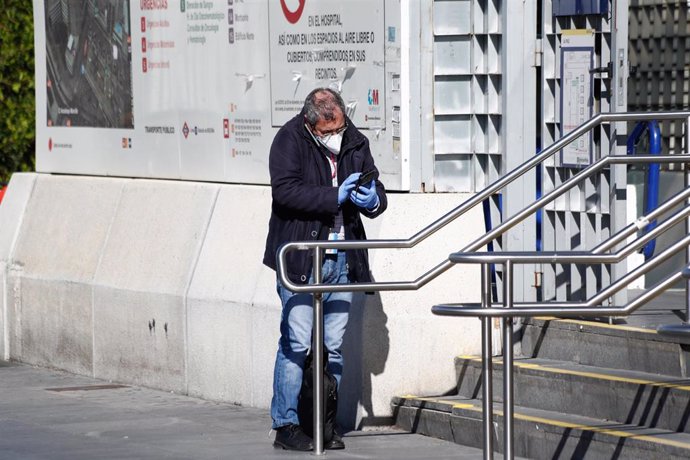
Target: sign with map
197	89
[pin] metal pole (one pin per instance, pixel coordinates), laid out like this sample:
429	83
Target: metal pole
487	388
508	363
687	223
317	353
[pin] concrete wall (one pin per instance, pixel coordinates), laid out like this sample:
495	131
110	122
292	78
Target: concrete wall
11	215
160	283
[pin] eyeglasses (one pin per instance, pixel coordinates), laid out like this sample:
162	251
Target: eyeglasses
325	136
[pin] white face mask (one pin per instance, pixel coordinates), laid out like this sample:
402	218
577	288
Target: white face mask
332	143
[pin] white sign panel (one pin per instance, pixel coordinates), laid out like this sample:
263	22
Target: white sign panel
197	89
577	59
328	43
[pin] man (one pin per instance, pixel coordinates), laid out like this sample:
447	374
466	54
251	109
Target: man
315	161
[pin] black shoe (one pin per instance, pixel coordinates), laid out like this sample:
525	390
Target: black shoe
291	437
336	442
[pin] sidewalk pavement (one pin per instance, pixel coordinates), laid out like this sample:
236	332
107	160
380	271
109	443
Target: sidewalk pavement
49	414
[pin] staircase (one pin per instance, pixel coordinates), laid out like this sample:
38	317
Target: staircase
582	389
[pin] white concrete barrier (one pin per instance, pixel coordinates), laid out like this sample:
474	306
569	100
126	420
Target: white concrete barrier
66	222
233	332
160	283
11	215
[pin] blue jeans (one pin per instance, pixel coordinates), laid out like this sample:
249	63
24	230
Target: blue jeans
296	337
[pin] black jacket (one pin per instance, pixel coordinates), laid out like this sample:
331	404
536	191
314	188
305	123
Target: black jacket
305	201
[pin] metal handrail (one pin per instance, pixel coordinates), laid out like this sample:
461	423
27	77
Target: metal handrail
319	288
563	309
651	201
485	311
456	213
510	310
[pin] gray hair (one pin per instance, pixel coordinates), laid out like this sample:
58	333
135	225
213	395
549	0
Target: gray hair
321	104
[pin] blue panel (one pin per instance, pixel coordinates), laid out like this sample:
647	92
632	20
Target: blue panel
579	7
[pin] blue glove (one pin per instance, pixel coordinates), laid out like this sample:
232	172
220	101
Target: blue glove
346	187
365	197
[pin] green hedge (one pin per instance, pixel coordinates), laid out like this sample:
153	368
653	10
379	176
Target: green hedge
17	126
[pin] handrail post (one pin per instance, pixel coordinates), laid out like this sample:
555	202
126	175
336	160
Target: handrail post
686	183
508	434
317	354
686	175
682	330
487	389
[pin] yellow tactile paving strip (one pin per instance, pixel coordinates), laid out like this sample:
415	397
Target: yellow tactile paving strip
594	375
561	424
593	324
571	425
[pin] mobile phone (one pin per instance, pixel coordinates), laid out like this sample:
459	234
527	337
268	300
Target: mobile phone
365	178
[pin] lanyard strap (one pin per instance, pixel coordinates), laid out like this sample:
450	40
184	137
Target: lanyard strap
334	167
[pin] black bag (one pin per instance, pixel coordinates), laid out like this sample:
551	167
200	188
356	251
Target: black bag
305	407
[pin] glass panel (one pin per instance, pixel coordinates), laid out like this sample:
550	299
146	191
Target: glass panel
452	96
452	17
452	56
452	173
452	134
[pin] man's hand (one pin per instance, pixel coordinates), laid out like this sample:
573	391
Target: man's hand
365	197
346	187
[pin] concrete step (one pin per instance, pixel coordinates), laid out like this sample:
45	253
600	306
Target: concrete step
631	397
600	344
538	434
